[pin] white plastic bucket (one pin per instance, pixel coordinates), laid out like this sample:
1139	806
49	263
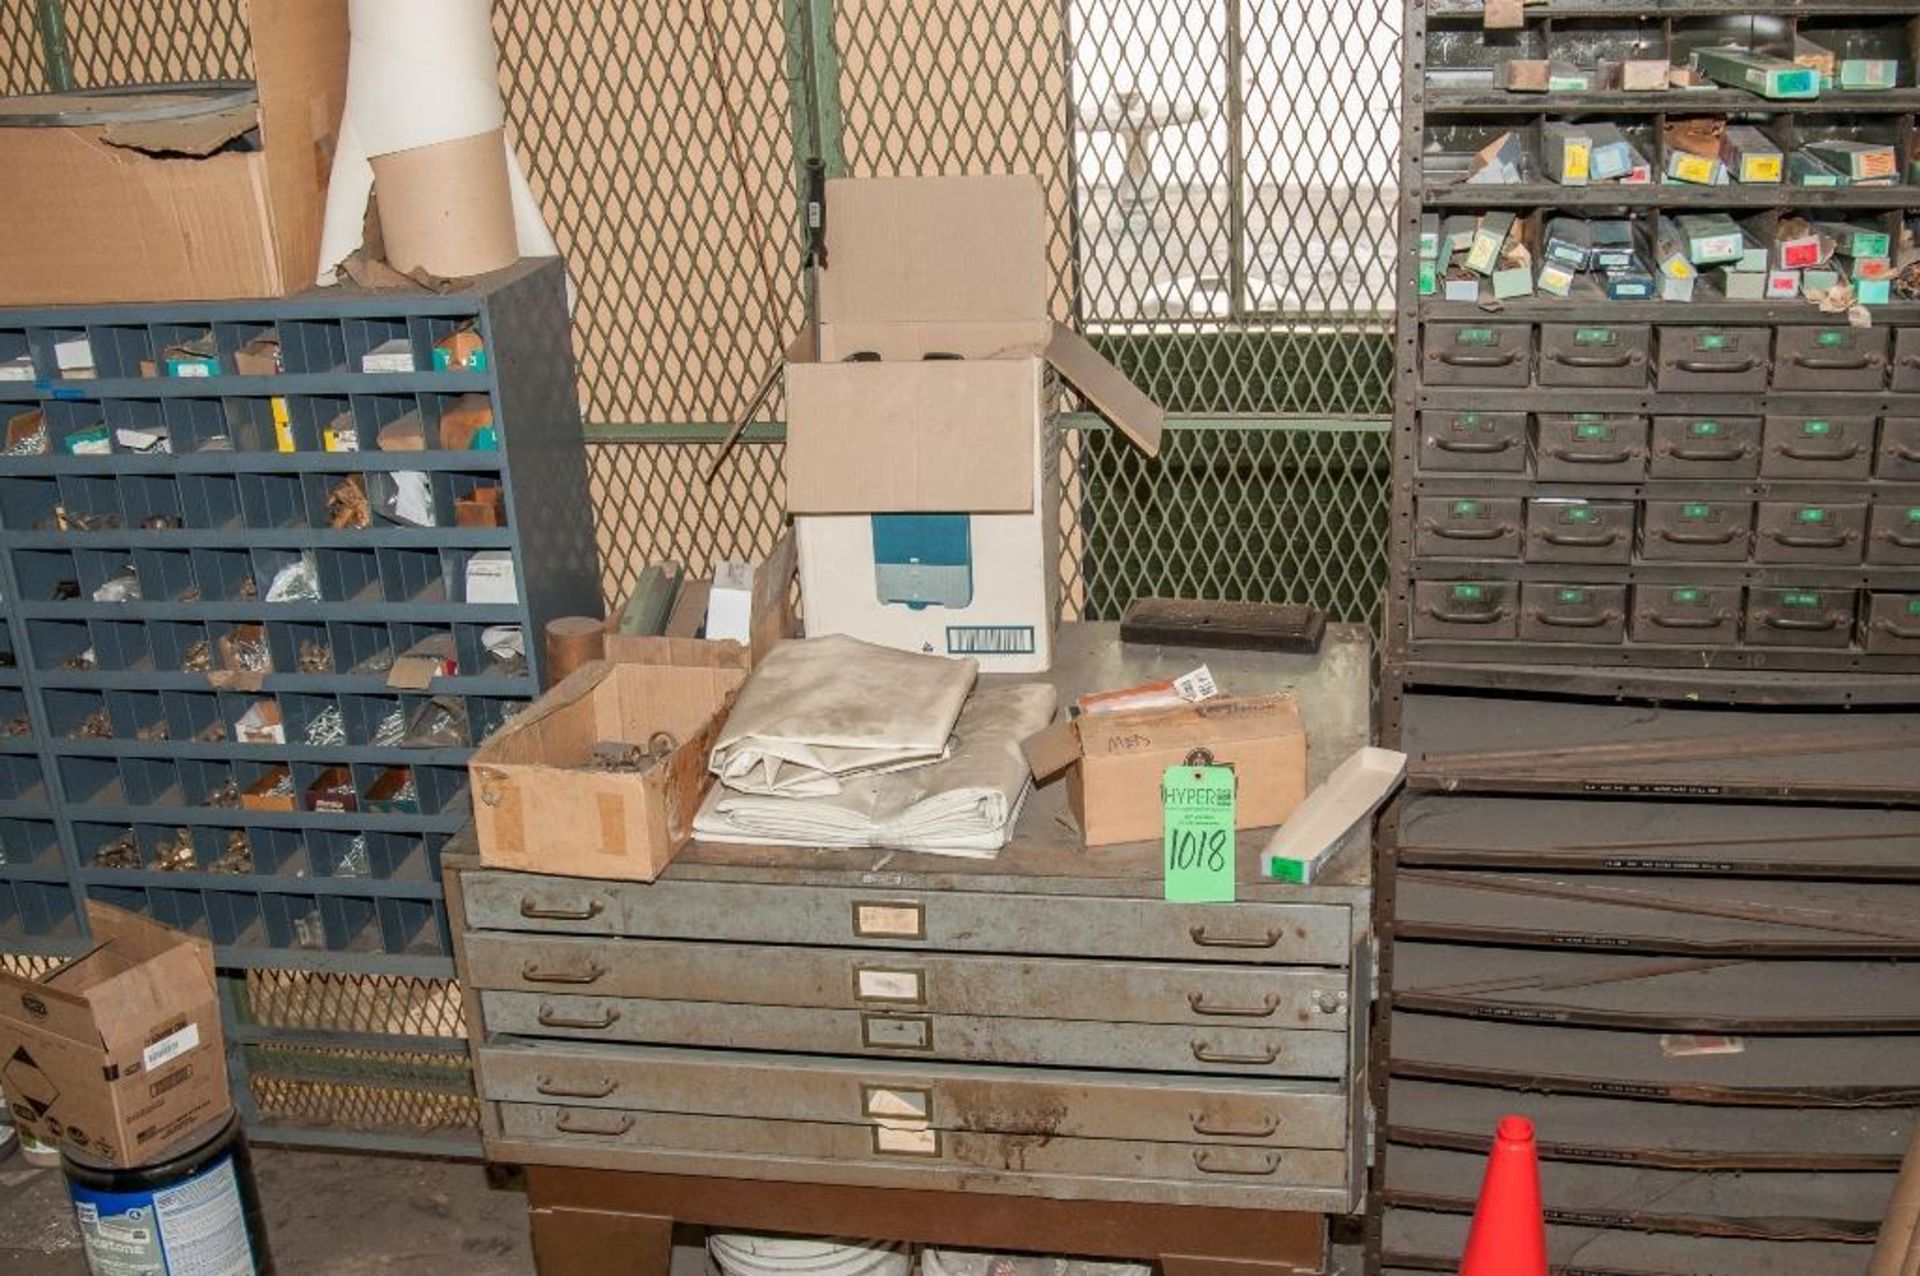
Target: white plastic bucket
751	1254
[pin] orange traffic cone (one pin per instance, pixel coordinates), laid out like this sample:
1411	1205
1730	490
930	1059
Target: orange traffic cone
1509	1236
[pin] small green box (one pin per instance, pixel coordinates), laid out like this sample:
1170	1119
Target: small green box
1867	73
1873	292
1429	278
1770	77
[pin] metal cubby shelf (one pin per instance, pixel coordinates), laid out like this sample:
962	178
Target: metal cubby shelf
329	894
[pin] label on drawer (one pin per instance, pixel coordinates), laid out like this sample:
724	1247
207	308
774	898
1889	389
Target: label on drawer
896	1032
902	1140
875	983
889	920
892	1103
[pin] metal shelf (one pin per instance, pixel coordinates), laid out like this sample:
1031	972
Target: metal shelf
1708	308
1786	575
127	463
1561	399
1664	489
358	887
252	609
1630	669
1682	197
1467	10
266	538
1439	100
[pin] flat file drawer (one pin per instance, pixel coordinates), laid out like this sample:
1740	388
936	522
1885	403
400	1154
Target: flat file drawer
1716	360
1725	447
1473	442
1595	355
1579	531
1899	455
1244	1048
1800	617
954	921
1696	531
1893	624
1906	360
1894	538
1473	354
1590	447
1685	615
1835	358
1127	992
1573	613
1475	611
1223	1174
1810	532
1468	527
1836	448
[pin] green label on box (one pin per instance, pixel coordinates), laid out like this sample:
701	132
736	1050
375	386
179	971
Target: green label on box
1572	595
1576	514
1830	339
1466	509
1696	510
1812	514
1688	596
1474	337
1591	431
1469	593
1470	420
1197	802
1816	429
1799	598
1594	337
1704	429
1711	341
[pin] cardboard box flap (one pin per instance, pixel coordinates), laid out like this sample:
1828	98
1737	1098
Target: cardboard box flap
300	59
156	993
1052	749
193	135
49	1009
136	938
935	249
1208	723
1107	388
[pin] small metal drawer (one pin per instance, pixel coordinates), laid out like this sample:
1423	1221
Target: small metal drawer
1595	356
1495	354
1579	531
1685	615
1899	456
1807	357
1820	447
1720	447
1893	623
1894	539
1810	532
1472	610
1723	360
1696	531
1906	360
1573	613
1468	527
1590	447
1800	617
1473	442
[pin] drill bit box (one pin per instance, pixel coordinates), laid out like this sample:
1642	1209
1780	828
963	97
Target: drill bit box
1566	152
1751	157
1612	243
1569	243
1711	239
1859	162
1761	73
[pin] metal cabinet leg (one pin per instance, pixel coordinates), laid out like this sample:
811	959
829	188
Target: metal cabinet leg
575	1242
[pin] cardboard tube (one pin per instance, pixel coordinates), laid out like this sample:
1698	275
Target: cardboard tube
573	641
447	208
1895	1252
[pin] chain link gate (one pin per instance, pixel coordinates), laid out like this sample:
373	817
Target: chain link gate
1219	174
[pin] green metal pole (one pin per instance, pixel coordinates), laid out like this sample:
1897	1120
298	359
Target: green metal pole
52	19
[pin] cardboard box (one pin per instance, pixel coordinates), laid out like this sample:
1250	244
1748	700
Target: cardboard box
1760	73
1115	761
1868	73
1614	154
492	577
1488	240
332	791
772	620
1856	161
1566	152
93	211
530	797
117	1055
265	793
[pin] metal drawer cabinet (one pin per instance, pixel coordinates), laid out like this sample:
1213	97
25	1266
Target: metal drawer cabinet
1595	356
1475	611
1468	527
1571	531
1715	360
954	921
1696	531
1723	447
1473	442
1906	360
1830	358
1894	538
1573	613
1685	615
1893	624
1800	617
1824	447
1809	532
1463	354
1899	455
1590	447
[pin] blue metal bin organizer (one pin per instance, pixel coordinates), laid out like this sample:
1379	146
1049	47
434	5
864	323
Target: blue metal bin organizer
335	951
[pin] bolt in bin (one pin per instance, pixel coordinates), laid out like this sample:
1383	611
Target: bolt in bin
1819	447
1716	360
1685	615
1577	531
1800	617
1465	354
1467	527
1594	356
1472	610
1810	532
1473	442
1823	358
1590	447
1595	614
1696	531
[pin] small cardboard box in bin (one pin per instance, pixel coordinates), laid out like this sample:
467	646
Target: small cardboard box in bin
770	619
540	803
116	1055
1114	762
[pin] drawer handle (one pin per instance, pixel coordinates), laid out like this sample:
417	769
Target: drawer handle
1583	540
1501	360
1496	532
1793	453
549	1019
1804	624
1901	539
1447	617
1713	621
1905	633
1200	1127
1198	1002
533	974
1576	456
1271	938
1709	367
1594	621
536	912
544	1085
1901	451
1727	537
1830	363
1269	1164
1204	1055
1710	455
564	1124
1474	447
1594	360
1797	540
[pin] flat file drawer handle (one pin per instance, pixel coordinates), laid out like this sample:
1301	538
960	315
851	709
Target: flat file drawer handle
1199	1123
535	912
1902	452
1474	447
1501	360
1594	621
1269	1164
1583	540
1710	455
1445	616
1198	1002
1204	1055
1905	633
1594	360
1793	453
1825	624
1713	621
565	1125
548	1019
544	1085
1575	456
1727	537
1498	531
533	974
1268	940
1819	363
1902	540
1709	366
1795	540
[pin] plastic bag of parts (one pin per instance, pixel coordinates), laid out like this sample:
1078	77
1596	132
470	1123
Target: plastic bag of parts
440	723
297	582
402	496
507	645
124	587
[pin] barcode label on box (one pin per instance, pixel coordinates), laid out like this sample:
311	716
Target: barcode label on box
990	640
171	1046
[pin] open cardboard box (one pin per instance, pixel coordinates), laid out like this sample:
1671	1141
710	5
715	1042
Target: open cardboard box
536	810
185	209
117	1055
772	621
